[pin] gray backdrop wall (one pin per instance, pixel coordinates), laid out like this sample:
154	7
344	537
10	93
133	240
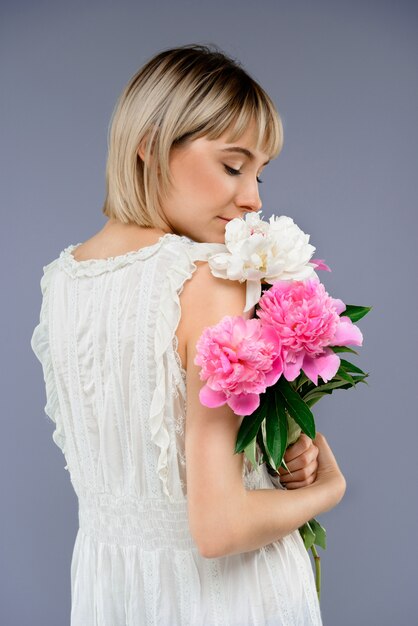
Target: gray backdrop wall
344	78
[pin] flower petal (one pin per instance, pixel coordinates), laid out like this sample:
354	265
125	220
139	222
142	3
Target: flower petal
211	398
339	305
347	334
326	366
292	370
274	374
244	403
253	294
320	265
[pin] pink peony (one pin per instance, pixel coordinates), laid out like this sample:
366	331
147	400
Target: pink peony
306	321
239	359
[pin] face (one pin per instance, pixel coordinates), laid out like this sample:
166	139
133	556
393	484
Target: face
207	191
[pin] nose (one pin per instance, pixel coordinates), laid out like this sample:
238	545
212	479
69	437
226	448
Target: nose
249	198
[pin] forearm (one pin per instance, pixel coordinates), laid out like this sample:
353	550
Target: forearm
266	515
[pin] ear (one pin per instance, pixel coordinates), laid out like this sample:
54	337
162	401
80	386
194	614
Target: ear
141	148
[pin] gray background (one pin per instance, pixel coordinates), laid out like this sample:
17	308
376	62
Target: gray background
344	78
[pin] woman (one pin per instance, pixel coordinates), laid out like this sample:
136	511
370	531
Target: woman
174	528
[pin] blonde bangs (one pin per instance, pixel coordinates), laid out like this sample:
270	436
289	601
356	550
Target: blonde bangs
262	113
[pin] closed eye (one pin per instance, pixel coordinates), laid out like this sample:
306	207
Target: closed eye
234	172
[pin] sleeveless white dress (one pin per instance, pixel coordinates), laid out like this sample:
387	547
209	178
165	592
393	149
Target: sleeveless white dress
115	389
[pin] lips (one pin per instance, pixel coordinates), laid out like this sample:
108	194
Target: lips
225	219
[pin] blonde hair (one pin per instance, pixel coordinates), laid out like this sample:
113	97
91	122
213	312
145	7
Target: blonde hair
179	95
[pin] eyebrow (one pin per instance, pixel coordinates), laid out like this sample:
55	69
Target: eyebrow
243	151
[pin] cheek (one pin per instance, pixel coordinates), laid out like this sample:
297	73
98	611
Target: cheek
203	174
203	183
202	179
214	183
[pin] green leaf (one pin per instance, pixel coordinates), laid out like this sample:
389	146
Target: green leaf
260	442
341	373
314	399
359	380
249	426
335	383
267	454
282	425
320	533
355	313
349	367
293	429
276	428
301	380
308	535
272	441
306	388
328	386
342	349
250	451
297	408
283	464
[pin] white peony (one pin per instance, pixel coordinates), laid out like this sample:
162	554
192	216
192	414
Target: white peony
258	250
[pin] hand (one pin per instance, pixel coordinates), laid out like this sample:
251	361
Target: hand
301	459
329	475
328	469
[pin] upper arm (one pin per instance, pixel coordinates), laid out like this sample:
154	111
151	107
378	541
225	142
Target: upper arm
214	472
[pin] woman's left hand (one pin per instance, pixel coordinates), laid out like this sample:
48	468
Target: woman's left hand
301	459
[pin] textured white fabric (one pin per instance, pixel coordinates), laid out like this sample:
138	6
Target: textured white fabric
116	392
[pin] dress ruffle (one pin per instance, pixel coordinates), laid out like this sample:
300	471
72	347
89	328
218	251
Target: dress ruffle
94	267
41	347
168	318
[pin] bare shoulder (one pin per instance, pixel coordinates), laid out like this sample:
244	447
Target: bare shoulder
206	298
205	289
204	301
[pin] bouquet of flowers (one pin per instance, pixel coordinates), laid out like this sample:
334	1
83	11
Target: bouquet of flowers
267	368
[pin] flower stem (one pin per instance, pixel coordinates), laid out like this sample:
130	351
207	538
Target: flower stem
317	559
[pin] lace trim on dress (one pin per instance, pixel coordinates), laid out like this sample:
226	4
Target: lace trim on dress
40	345
167	320
178	359
94	267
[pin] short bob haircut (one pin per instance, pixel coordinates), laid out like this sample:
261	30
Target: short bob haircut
179	95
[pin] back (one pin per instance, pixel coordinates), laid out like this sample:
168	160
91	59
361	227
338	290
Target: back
115	383
116	392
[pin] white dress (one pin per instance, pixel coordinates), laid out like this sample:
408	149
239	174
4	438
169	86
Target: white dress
115	389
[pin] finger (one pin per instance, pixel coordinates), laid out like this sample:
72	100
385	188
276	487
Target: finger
326	456
301	461
303	483
300	475
301	445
